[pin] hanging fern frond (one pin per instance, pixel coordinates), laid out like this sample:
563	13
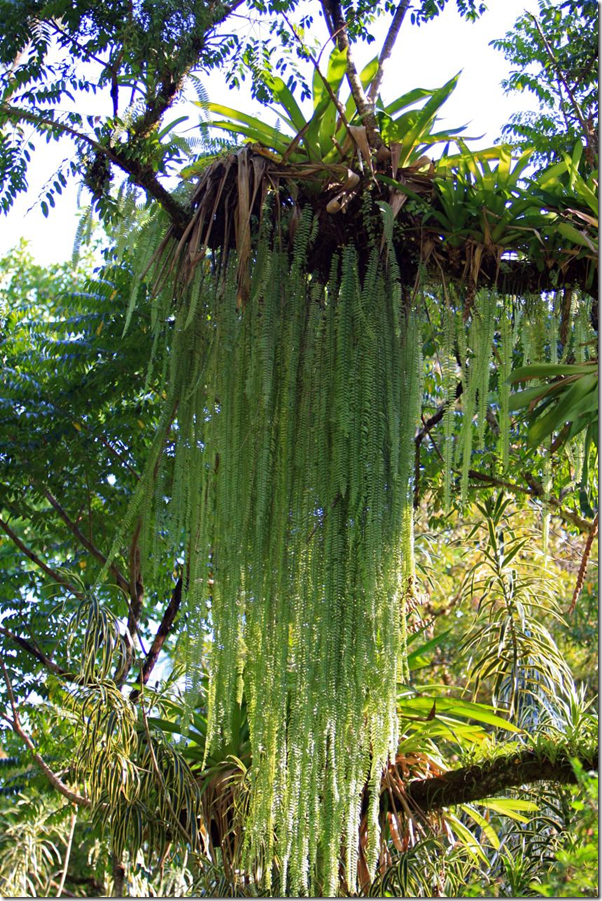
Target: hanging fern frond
292	423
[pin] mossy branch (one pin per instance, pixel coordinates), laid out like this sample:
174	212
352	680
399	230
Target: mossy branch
492	778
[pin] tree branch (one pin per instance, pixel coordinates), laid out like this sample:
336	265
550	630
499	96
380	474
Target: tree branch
315	62
17	728
142	175
535	490
160	638
486	780
135	602
39	563
61	885
85	542
118	873
437	416
584	561
333	15
387	49
33	649
587	132
427	425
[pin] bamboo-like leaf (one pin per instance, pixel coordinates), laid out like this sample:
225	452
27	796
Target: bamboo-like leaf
250	126
509	807
483	824
468	839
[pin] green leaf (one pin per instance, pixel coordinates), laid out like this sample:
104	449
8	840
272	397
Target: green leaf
428	645
164	725
286	100
530	395
321	126
421	706
467	838
388	219
401	186
250	126
577	237
563	411
165	131
337	66
408	99
508	807
549	370
425	118
509	557
485	826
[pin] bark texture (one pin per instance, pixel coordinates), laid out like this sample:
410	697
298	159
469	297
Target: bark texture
488	780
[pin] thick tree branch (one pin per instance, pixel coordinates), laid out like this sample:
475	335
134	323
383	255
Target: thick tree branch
85	542
173	81
387	50
135	602
118	873
39	563
15	724
487	780
159	640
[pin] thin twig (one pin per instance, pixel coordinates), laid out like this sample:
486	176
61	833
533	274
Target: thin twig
142	174
321	521
364	106
39	563
34	650
586	130
339	106
433	442
87	543
535	490
61	885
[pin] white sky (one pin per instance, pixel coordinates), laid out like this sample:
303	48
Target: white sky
424	57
